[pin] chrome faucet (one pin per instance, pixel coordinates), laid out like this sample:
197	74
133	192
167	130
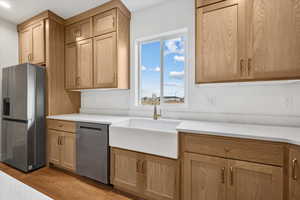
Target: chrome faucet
155	102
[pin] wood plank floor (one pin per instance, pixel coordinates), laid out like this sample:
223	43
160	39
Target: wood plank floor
63	186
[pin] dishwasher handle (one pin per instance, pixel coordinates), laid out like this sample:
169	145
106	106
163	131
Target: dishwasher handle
90	128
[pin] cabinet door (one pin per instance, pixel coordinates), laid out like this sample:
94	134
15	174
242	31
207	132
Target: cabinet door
161	178
85	63
105	22
273	38
220	42
71	33
105	61
294	175
250	181
25	42
54	147
38	43
204	177
125	170
68	149
71	66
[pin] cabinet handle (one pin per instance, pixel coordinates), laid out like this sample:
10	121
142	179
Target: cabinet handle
223	175
137	166
143	167
58	140
294	173
242	67
249	66
231	175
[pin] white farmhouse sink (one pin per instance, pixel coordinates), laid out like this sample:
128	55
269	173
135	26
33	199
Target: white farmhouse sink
158	137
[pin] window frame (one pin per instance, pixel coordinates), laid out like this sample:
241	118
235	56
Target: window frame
161	38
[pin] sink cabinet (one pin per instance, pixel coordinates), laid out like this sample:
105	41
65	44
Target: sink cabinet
147	176
61	144
214	168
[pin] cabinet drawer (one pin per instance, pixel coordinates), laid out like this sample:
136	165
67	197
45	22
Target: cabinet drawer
201	3
61	125
233	148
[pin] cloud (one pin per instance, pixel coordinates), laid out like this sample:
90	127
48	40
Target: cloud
144	68
174	46
179	58
177	75
157	69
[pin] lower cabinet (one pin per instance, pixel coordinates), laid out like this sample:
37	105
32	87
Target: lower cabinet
147	176
212	178
294	174
61	149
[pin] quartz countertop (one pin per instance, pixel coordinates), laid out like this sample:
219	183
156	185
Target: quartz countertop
249	131
13	189
90	118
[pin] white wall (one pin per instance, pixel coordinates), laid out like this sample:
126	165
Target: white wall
8	52
260	102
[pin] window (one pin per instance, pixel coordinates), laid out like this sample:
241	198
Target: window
162	66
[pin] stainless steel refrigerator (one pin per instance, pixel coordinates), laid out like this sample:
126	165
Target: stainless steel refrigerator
23	117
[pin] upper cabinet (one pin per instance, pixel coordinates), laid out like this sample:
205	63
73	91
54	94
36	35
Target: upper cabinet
41	42
247	40
105	22
32	44
79	31
97	49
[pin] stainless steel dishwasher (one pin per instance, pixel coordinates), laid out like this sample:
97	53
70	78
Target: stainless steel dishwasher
92	151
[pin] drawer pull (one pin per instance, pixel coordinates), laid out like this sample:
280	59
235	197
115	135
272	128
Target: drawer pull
294	166
223	175
231	175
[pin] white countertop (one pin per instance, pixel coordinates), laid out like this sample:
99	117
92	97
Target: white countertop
260	132
90	118
13	189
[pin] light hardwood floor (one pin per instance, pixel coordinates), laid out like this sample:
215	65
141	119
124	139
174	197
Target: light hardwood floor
62	186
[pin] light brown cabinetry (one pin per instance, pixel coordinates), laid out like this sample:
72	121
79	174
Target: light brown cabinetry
214	168
79	65
105	22
253	181
41	41
79	31
273	39
204	177
32	44
144	175
61	144
105	61
219	42
294	174
240	40
106	65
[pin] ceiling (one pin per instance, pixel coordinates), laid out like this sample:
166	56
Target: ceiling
24	9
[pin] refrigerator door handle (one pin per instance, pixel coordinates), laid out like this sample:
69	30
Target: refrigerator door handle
6	106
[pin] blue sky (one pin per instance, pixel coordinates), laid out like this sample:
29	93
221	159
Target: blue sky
174	62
